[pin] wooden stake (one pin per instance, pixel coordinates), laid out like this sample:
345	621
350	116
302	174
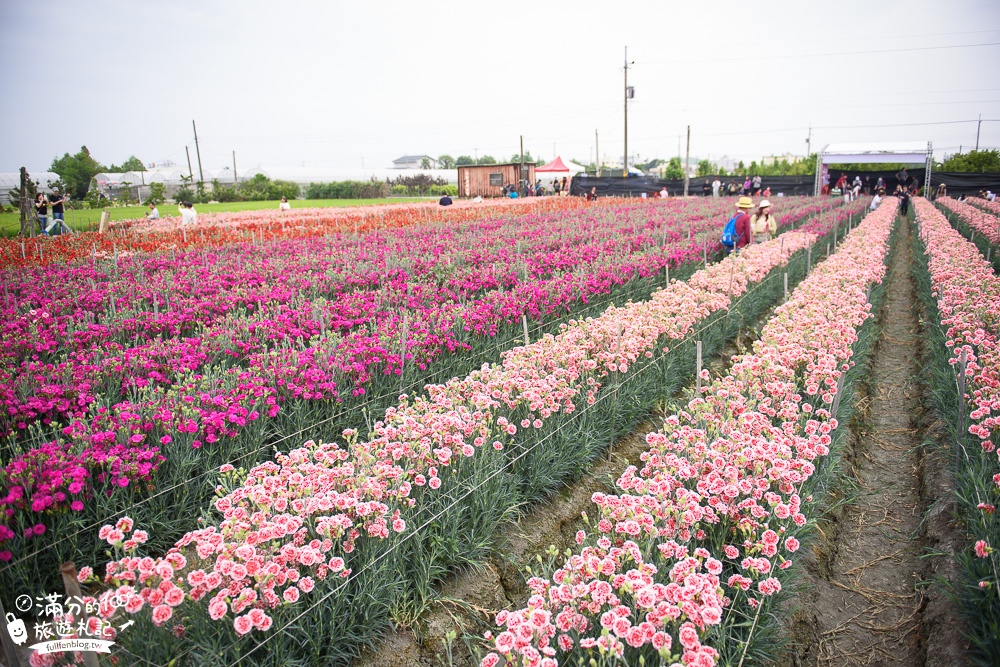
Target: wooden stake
402	355
809	259
524	323
697	383
786	285
961	408
72	587
836	398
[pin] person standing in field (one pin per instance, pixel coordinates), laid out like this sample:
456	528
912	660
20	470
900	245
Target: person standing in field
716	186
153	213
284	205
942	190
189	216
904	203
706	189
744	233
756	184
747	183
42	209
762	223
58	221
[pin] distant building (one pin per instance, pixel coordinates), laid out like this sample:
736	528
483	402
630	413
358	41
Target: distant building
413	162
790	158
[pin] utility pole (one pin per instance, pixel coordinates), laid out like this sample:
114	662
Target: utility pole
628	93
687	163
978	127
809	142
597	154
236	180
27	222
190	173
197	150
522	181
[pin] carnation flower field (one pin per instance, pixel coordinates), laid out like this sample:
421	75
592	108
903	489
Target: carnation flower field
268	439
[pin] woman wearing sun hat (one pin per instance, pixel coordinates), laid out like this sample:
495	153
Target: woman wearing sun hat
762	223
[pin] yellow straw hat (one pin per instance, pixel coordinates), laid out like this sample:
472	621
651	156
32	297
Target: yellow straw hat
744	202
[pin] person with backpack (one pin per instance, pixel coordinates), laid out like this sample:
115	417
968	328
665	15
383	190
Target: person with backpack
737	232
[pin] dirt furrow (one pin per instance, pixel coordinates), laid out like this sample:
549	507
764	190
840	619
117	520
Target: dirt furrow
866	599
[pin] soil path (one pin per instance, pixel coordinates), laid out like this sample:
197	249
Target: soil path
866	603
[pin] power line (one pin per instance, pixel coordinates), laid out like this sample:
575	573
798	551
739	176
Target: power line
827	54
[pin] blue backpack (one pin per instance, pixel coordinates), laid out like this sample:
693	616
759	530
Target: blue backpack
729	235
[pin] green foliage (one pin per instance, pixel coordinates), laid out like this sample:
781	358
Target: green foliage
372	189
76	171
674	169
705	168
446	162
527	158
418	185
184	193
425	163
983	162
258	188
487	159
131	164
464	160
157	193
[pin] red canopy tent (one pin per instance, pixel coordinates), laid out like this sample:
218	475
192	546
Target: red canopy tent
555	165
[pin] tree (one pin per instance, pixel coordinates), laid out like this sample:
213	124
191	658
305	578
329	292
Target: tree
446	162
76	171
131	164
974	161
527	157
464	160
157	193
674	169
704	168
425	163
487	159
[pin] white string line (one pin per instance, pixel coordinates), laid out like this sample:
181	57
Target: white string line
473	489
275	443
487	350
315	425
372	400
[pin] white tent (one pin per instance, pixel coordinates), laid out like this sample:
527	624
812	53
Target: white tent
907	152
12	179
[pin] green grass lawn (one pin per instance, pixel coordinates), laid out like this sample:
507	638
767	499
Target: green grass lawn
86	219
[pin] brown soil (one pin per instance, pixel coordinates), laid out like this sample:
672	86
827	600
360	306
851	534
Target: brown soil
869	597
470	600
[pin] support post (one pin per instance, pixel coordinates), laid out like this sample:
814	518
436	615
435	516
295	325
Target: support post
687	162
72	587
697	383
960	445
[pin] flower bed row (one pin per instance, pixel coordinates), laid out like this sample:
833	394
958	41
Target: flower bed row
985	204
115	454
426	492
683	558
961	292
227	228
984	223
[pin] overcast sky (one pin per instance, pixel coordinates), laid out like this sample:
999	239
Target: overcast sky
346	84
